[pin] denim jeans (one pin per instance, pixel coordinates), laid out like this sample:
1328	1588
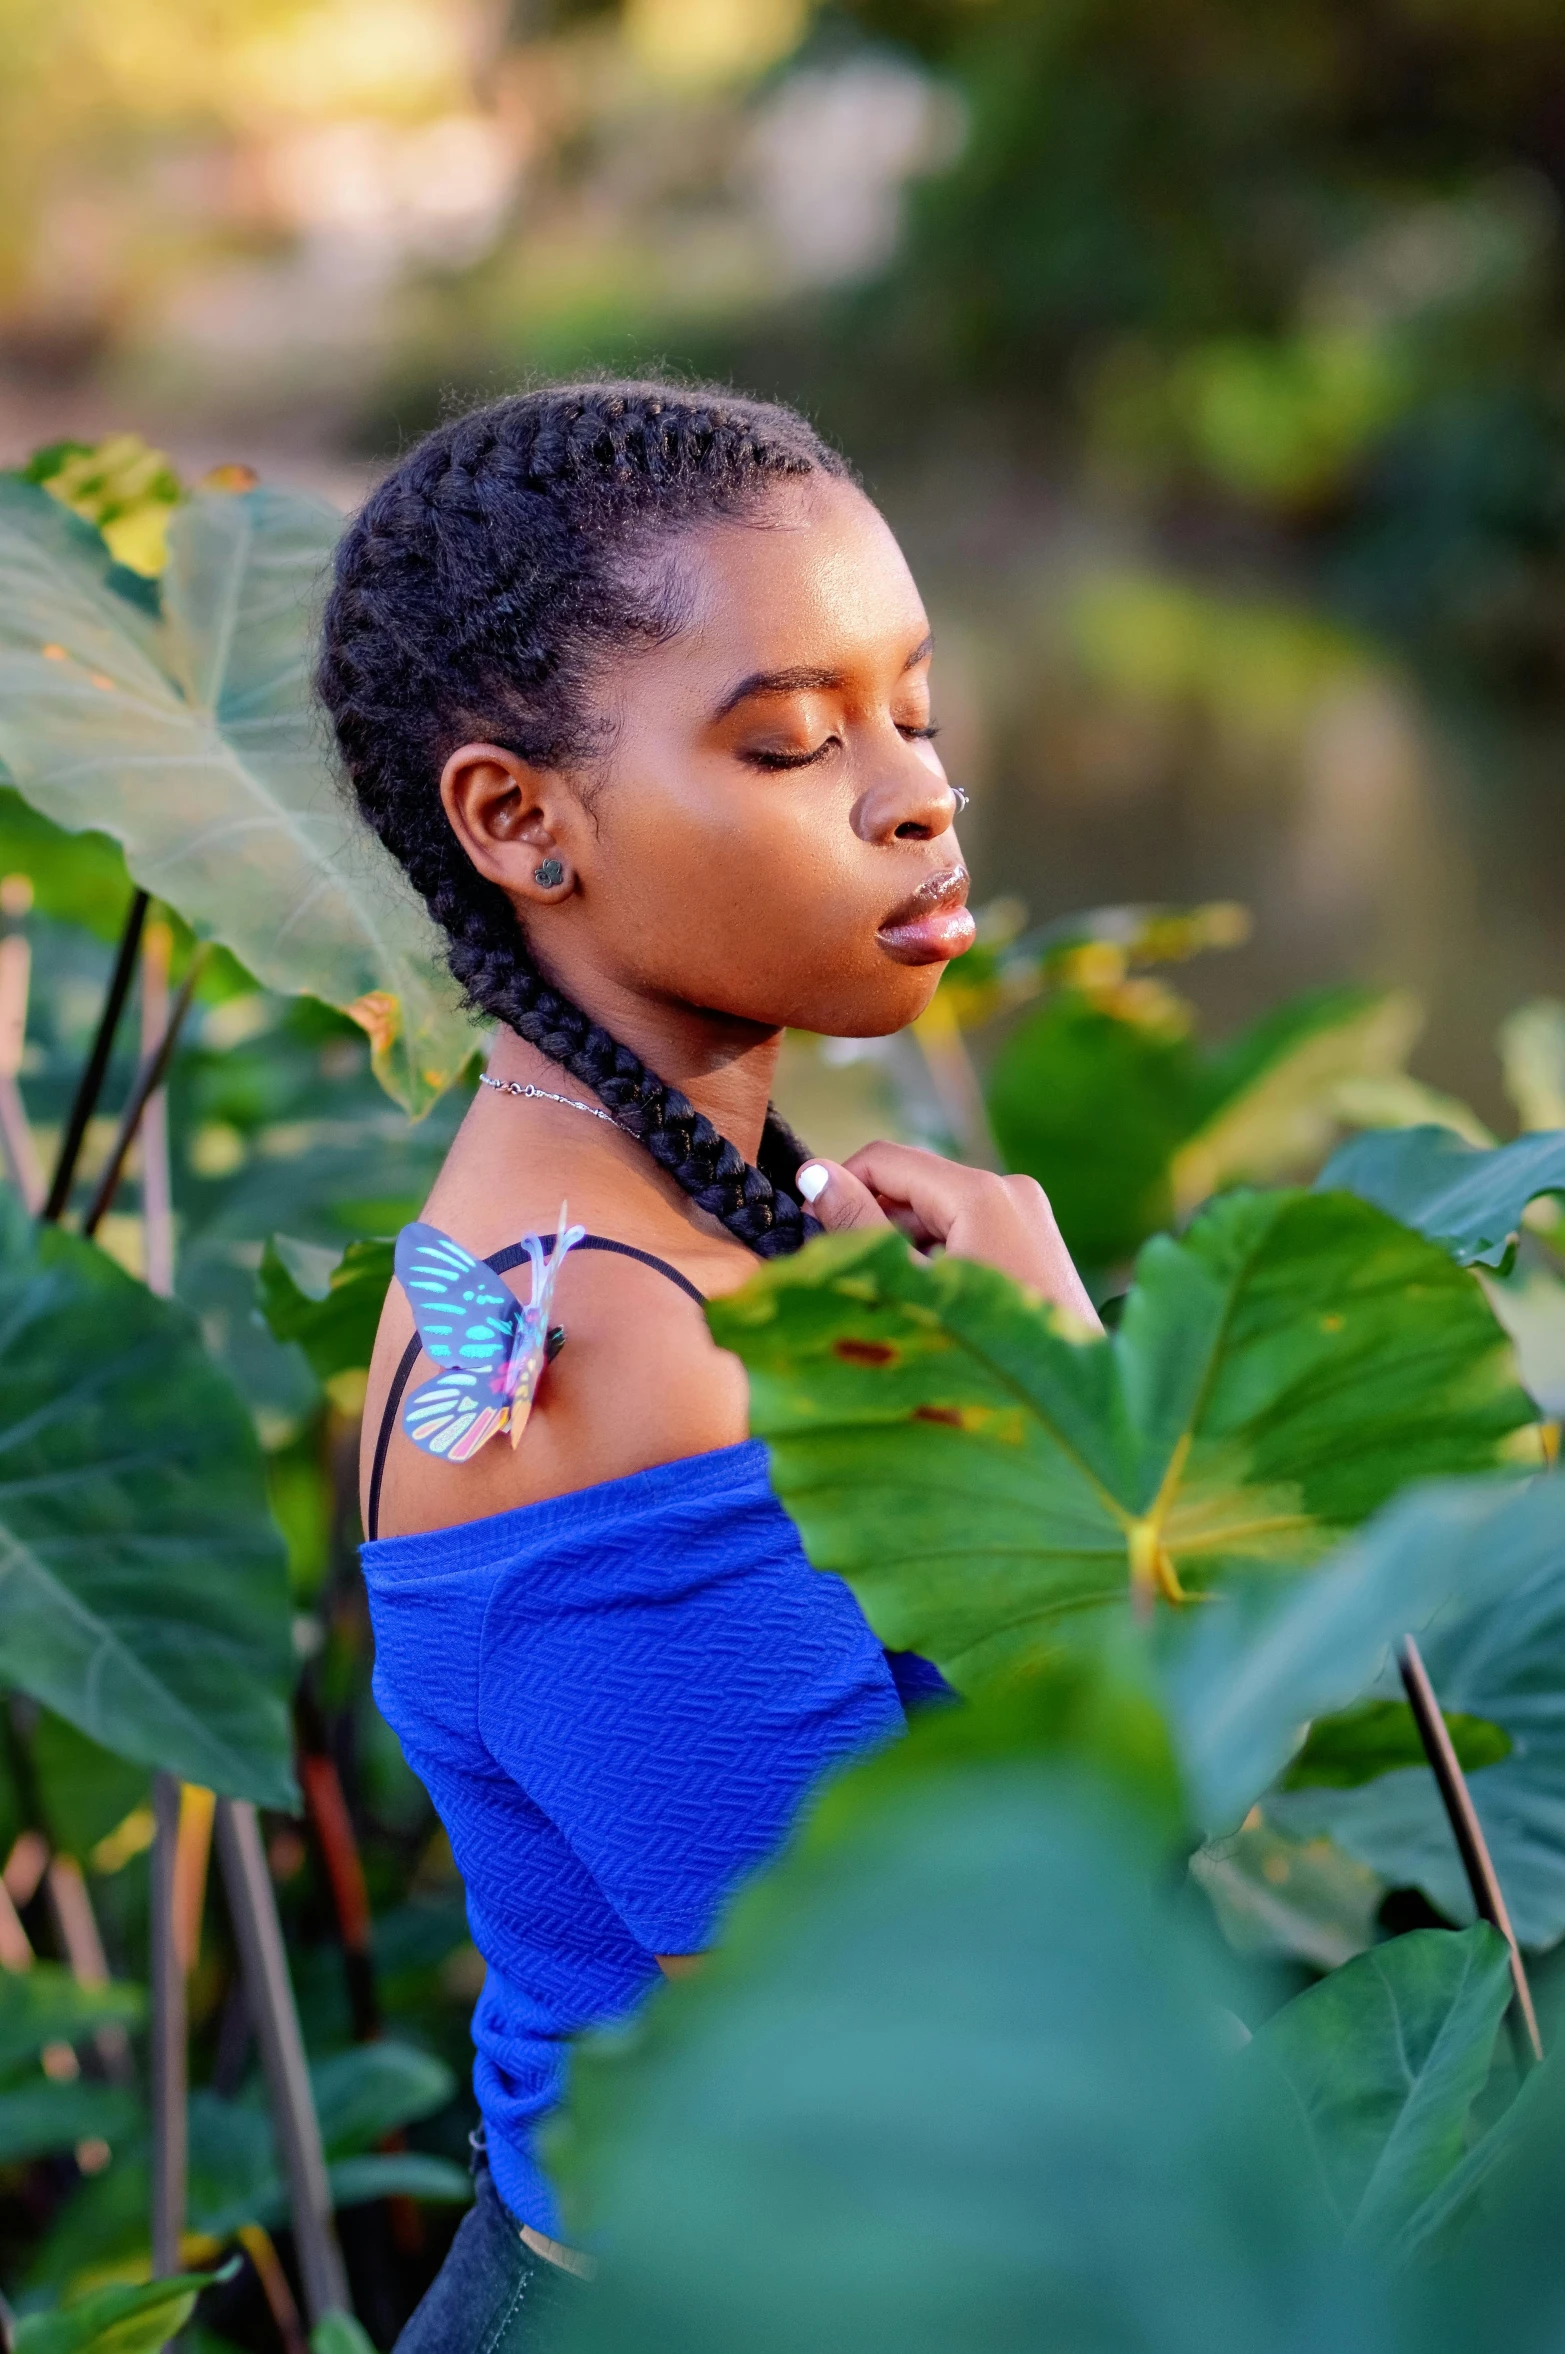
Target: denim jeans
492	2295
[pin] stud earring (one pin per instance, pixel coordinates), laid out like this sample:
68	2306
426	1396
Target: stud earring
551	874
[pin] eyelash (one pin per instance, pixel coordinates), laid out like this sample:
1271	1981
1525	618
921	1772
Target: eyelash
776	760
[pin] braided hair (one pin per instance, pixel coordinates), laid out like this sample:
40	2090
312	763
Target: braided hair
475	596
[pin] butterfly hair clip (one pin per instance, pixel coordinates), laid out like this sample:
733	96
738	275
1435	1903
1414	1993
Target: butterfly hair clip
490	1347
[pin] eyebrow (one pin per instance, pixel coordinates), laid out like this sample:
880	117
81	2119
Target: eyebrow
802	682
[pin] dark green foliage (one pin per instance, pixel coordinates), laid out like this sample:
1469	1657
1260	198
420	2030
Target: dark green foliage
334	1322
144	1591
1095	1108
1378	1737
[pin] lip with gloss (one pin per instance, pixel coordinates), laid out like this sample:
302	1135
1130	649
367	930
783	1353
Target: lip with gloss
933	925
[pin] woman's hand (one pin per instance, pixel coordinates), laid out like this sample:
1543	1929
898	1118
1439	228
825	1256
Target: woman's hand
1004	1221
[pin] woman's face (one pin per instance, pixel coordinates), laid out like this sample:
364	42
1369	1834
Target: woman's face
768	836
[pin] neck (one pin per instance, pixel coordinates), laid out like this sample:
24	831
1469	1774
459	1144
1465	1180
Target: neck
725	1066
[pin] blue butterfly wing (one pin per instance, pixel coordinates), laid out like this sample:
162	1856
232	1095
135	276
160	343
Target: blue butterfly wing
465	1315
452	1415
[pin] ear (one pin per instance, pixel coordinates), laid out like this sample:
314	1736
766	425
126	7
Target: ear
514	822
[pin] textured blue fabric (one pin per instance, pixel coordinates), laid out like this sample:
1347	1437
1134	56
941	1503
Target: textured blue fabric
616	1700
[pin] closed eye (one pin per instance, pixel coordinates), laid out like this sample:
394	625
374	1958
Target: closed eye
775	760
920	735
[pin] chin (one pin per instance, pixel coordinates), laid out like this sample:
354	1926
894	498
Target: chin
898	998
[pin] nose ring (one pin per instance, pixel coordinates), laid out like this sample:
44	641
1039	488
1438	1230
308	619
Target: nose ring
962	797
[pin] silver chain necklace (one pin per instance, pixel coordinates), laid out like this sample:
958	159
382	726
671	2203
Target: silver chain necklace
546	1095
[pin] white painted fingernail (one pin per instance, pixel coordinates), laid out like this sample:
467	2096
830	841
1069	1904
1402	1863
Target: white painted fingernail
813	1180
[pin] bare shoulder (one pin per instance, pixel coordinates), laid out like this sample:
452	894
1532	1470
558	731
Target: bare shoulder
639	1381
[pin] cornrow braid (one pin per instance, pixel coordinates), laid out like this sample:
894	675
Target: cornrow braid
475	596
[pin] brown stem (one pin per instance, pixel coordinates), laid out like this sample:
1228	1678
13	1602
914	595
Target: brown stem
1466	1829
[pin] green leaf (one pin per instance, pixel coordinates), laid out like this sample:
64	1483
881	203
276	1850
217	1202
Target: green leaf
1242	1682
1496	1652
1095	1107
1378	1737
370	2090
1127	1123
398	2174
1530	1303
1469	1200
957	2079
1279	1085
1296	1900
46	2005
234	2176
982	1478
191	737
120	485
77	878
331	1306
85	1790
143	1593
339	2333
40	2118
1532	1056
119	2319
1386	2058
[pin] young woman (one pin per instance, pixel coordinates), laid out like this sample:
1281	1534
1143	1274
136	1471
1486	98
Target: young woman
634	681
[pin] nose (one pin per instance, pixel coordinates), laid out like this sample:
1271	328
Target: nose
915	804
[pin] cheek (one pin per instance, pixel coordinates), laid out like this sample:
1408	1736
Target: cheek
766	910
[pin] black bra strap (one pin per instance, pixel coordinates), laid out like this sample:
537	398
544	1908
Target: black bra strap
502	1262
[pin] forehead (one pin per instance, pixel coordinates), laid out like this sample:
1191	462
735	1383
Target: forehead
815	580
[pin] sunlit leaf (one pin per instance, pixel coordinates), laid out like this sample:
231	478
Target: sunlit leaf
981	1477
1281	1102
118	2319
190	736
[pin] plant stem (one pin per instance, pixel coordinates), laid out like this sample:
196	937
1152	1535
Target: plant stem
258	1934
1466	1829
92	1078
157	1204
148	1079
16	1137
168	2036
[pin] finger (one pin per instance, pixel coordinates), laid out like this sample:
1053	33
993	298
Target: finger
837	1197
927	1190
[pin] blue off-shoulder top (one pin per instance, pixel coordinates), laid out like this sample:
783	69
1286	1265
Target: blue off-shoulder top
617	1700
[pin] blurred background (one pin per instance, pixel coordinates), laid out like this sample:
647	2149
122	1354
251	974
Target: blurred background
1210	361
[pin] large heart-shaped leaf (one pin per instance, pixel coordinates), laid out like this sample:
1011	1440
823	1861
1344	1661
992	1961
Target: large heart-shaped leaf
1497	1652
189	734
955	2080
1457	1193
142	1584
982	1477
1242	1683
1386	2058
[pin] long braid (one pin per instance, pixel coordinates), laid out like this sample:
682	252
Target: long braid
475	593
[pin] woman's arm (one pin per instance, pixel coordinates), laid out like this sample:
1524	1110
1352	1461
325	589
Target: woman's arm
1004	1221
